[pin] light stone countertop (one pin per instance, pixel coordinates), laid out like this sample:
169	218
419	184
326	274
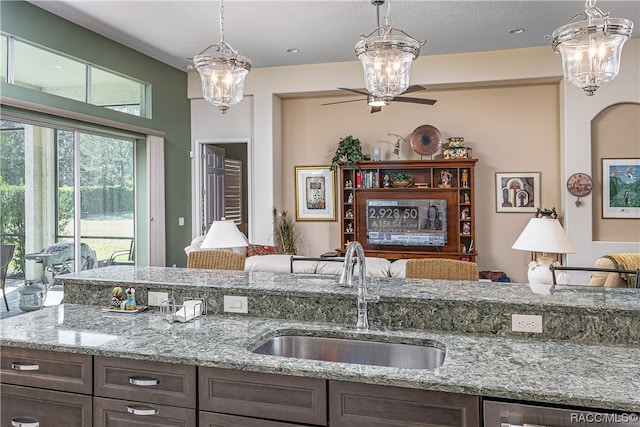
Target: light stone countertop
562	372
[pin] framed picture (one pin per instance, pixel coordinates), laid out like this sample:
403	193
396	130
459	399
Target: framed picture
315	193
517	191
620	188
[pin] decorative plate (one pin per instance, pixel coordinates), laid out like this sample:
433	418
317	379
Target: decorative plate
426	140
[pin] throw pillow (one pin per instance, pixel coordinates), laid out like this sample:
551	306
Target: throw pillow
261	250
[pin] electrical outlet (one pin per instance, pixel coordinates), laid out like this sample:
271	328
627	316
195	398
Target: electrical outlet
235	304
526	323
158	298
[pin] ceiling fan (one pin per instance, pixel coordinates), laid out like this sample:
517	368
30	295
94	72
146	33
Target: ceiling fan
377	103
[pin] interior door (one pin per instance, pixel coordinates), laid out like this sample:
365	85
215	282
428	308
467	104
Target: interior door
213	158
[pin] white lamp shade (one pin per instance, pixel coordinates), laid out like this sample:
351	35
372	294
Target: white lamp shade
224	234
544	235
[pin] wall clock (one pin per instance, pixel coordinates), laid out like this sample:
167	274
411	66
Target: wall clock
579	184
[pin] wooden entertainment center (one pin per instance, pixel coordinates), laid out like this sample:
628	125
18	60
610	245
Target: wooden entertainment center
378	210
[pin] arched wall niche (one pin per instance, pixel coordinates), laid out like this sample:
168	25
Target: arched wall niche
615	134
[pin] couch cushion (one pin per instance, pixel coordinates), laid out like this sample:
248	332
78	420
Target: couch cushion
398	268
262	250
376	267
278	263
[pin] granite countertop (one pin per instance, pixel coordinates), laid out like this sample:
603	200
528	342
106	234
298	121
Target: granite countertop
563	372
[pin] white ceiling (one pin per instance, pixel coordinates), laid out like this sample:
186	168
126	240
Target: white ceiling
323	30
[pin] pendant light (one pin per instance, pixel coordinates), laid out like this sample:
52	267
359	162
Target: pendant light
591	48
222	72
386	55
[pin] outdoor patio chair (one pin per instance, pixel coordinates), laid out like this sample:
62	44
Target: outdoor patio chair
6	254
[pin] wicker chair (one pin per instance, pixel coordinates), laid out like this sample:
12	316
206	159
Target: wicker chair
441	269
216	259
6	253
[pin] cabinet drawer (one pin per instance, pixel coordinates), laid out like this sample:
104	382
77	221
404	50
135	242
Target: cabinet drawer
114	413
46	369
46	407
143	381
211	419
364	405
270	396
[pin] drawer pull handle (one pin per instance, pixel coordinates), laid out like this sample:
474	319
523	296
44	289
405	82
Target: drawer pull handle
143	381
23	367
24	422
142	410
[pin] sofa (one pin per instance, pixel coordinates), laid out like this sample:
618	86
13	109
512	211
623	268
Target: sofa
623	261
269	259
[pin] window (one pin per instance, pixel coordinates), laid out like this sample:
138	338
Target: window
39	182
50	72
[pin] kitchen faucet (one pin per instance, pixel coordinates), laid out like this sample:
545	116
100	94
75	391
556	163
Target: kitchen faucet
346	279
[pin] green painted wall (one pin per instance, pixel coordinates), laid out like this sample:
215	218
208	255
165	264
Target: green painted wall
170	106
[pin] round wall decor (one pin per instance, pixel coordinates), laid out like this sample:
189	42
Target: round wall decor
426	140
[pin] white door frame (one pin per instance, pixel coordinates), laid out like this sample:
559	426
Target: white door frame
198	184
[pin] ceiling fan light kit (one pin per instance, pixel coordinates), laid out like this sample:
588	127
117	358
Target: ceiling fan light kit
591	48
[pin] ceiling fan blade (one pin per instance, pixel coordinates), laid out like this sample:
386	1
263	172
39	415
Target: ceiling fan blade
375	109
342	102
414	88
354	90
415	100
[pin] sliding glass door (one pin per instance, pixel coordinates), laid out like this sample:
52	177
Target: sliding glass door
67	199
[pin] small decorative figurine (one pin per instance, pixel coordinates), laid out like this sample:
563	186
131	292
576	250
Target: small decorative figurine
466	228
465	213
386	181
445	178
348	184
349	213
466	198
131	298
116	297
350	198
464	181
349	228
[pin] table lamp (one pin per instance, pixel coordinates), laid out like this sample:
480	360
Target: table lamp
545	235
224	234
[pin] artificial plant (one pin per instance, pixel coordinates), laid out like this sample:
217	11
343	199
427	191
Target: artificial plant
350	151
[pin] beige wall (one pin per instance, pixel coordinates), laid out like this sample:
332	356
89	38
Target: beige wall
615	133
506	133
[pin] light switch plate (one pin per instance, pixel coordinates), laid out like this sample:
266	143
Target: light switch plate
235	304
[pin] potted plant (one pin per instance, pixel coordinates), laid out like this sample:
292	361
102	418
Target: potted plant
401	179
350	150
286	234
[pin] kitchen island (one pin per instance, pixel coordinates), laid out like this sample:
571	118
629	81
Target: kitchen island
488	362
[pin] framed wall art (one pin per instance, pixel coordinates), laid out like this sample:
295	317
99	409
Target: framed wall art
620	188
315	193
517	191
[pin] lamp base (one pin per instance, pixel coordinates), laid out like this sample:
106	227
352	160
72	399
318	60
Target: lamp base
539	272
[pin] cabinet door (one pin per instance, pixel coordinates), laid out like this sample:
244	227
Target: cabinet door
364	405
211	419
270	396
33	406
143	381
122	413
46	369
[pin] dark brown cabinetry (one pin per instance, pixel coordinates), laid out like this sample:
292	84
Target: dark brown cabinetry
402	206
258	395
364	405
143	392
45	388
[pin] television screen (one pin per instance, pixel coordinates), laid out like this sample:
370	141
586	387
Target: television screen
410	222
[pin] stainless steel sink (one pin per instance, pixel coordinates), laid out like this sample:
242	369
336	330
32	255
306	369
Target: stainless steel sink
353	351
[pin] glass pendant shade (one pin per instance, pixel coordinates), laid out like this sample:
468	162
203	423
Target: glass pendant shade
222	77
591	48
386	60
222	72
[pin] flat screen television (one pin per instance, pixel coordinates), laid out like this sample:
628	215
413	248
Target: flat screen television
408	222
